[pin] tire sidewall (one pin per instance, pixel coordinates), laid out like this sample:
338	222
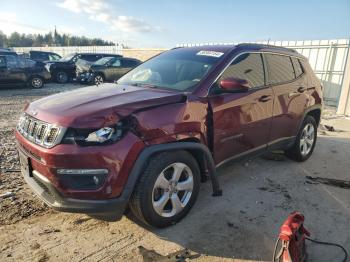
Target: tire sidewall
146	202
307	120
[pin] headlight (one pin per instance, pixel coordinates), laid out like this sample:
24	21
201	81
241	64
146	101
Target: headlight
105	135
102	135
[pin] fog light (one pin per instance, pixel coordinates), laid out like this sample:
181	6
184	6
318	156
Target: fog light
82	179
96	180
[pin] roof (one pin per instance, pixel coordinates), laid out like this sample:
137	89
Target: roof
248	47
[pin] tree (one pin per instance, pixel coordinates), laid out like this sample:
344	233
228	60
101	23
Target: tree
3	39
49	39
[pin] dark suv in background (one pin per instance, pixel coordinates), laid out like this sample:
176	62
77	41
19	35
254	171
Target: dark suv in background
148	140
16	70
41	56
107	69
64	69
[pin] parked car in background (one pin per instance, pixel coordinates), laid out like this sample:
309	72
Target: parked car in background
149	140
7	51
41	56
64	69
16	70
107	69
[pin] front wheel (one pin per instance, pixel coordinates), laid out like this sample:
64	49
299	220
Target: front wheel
167	189
305	141
61	77
98	79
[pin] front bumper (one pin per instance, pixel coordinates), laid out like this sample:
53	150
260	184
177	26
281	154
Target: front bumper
107	200
109	209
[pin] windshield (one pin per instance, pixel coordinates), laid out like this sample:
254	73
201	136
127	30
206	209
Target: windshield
179	69
103	61
67	57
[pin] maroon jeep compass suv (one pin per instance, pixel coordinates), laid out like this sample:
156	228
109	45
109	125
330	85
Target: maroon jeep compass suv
149	140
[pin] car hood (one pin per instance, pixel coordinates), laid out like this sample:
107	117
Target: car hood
98	106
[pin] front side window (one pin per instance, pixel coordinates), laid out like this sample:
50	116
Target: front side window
280	68
116	63
178	69
54	57
248	67
68	58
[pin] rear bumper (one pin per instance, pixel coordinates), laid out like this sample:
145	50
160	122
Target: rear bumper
109	209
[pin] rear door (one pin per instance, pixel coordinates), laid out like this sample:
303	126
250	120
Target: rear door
16	70
289	84
241	121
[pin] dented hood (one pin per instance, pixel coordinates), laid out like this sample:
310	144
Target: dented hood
98	106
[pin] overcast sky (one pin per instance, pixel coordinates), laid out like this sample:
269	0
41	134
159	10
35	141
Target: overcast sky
165	23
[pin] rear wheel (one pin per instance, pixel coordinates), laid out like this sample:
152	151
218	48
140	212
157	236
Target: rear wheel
36	82
305	141
167	189
61	77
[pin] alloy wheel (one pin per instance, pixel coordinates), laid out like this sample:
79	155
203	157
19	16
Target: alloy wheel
98	80
172	190
307	139
37	82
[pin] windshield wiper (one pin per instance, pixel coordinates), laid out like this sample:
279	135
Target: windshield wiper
143	85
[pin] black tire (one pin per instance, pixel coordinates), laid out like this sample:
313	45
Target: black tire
98	79
142	199
36	82
295	152
61	77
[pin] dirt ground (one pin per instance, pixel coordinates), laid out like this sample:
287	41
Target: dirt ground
242	225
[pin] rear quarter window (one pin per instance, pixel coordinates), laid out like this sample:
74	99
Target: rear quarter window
280	68
297	67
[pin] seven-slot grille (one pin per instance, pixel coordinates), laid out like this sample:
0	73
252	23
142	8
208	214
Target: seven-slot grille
39	132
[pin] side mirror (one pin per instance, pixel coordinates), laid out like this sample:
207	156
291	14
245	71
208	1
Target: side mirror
234	85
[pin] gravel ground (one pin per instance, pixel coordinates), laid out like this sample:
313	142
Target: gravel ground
240	226
21	203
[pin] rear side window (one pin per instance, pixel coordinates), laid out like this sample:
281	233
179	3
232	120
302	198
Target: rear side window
280	68
129	63
39	56
249	67
12	62
297	67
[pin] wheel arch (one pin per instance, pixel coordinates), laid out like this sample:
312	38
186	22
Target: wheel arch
316	114
198	150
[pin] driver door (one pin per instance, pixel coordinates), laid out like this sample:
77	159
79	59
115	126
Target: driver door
242	121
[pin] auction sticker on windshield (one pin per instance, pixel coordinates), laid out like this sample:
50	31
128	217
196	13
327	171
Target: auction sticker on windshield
210	53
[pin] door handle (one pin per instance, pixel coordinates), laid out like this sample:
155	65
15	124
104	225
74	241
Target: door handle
264	98
301	89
